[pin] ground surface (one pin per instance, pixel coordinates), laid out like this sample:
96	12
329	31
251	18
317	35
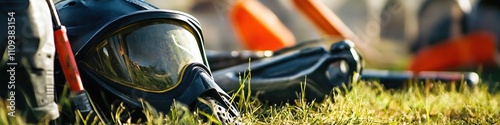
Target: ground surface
365	103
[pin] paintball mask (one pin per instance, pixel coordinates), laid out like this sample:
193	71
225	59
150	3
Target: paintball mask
128	50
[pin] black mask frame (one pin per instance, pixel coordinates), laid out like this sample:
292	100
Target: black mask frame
196	80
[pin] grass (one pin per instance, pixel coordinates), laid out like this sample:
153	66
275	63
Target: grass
366	103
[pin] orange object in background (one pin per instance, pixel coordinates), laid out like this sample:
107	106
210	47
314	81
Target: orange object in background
331	25
258	27
323	18
472	49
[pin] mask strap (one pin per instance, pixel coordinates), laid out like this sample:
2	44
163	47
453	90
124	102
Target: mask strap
142	4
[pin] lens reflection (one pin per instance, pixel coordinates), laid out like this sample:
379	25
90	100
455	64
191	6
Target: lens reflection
149	56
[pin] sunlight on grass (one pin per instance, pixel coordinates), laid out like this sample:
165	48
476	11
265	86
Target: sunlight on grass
366	103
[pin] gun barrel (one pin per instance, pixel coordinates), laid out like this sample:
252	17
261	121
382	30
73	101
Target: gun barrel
396	79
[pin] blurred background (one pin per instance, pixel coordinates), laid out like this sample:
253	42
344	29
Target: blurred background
389	26
361	16
397	29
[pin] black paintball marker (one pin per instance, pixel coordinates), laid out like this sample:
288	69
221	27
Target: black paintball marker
277	76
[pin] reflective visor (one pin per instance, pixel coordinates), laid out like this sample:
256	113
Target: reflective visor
149	55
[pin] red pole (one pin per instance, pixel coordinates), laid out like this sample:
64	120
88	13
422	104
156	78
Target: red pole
68	63
67	60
